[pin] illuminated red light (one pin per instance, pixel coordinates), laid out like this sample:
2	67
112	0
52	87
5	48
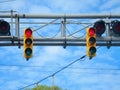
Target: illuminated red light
91	31
28	32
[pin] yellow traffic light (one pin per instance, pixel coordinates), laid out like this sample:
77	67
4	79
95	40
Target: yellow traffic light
28	43
91	42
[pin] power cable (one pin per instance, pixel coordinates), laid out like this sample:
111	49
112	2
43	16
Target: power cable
80	59
85	68
68	65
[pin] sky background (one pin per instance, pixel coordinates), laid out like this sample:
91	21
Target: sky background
100	73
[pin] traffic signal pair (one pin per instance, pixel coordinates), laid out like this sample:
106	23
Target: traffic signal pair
100	27
97	30
28	43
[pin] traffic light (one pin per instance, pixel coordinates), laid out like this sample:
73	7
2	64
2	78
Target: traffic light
99	27
115	27
91	42
4	28
28	43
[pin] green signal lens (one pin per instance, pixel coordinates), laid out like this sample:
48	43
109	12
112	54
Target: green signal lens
28	51
92	50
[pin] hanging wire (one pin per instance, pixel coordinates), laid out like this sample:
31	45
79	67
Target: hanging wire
80	59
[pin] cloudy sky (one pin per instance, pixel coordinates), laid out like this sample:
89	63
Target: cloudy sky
100	73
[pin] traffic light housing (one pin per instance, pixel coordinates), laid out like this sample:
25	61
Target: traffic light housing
4	28
28	43
115	27
91	42
99	27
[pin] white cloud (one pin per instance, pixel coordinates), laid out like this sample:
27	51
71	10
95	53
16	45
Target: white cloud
50	54
72	6
11	85
18	5
111	6
39	9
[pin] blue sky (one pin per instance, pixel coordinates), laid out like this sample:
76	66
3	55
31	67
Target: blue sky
16	72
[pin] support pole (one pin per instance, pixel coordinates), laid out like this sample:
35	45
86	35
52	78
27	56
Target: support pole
53	82
37	86
63	27
108	32
63	30
17	30
12	22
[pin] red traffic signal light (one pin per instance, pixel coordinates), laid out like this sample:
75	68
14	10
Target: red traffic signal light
115	25
4	28
91	32
28	32
99	27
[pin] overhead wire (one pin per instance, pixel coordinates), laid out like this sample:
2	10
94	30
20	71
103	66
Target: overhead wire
80	59
85	68
53	74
